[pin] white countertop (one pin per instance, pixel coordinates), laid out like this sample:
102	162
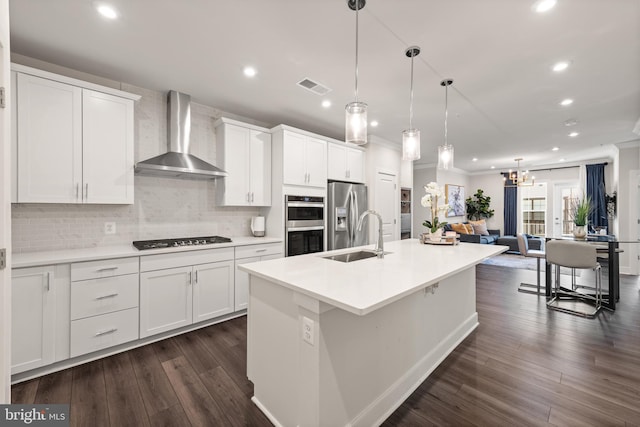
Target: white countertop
32	259
363	286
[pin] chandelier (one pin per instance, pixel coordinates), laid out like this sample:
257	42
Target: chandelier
518	178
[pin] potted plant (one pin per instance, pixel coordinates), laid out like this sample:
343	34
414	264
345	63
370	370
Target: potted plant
581	210
430	200
478	206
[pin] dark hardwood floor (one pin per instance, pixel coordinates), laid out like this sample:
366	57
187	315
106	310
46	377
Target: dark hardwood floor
524	366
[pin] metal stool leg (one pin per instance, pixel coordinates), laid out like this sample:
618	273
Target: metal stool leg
528	287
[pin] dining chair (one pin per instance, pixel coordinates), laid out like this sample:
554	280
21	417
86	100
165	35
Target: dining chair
574	255
523	247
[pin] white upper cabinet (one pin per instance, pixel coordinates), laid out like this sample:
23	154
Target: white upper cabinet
305	160
345	163
74	144
244	152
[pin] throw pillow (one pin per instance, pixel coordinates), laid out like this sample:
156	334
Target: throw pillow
479	227
462	228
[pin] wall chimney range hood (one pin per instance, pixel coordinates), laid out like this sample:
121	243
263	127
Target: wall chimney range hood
177	162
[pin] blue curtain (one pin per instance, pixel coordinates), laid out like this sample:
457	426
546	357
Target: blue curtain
510	206
596	191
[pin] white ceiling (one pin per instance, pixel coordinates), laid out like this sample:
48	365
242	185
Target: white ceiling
503	103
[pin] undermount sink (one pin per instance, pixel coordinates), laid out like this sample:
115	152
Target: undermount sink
353	256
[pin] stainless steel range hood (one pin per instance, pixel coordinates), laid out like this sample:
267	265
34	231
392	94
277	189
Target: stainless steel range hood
177	162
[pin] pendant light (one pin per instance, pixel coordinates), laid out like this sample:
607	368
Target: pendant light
411	136
445	152
356	112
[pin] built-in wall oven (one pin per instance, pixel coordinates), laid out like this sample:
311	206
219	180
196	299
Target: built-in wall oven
304	224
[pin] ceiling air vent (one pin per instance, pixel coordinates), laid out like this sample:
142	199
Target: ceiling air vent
315	87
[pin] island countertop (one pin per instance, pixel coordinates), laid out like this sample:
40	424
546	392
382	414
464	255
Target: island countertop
363	286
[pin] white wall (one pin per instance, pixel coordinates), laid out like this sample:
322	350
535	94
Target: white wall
164	207
5	210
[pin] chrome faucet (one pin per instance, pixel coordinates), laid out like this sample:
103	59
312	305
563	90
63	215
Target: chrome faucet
379	250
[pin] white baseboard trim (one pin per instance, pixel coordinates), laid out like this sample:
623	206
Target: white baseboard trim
266	412
381	408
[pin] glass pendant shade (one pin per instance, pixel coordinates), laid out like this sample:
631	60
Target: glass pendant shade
445	156
410	144
356	123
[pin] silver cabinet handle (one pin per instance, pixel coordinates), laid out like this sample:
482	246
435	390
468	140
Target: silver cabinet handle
86	192
248	197
48	281
109	331
261	250
77	190
189	281
107	296
114	267
252	197
196	282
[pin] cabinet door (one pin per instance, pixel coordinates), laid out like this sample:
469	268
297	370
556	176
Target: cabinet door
260	168
337	162
49	136
107	150
295	170
237	163
165	300
242	284
316	161
212	290
32	318
355	165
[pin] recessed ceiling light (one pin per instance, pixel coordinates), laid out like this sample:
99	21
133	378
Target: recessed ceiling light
555	149
475	159
249	71
562	159
560	66
566	102
574	134
106	11
570	122
326	103
542	6
373	123
493	167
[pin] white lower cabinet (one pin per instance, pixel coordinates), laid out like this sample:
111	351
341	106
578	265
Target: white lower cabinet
179	289
104	304
39	316
245	255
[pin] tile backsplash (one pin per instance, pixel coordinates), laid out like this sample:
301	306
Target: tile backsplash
164	207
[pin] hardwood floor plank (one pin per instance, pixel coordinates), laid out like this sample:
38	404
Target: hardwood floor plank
25	392
232	400
155	388
55	388
88	396
124	401
172	416
196	352
404	416
197	403
167	349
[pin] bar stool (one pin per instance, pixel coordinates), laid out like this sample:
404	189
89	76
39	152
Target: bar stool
523	247
574	255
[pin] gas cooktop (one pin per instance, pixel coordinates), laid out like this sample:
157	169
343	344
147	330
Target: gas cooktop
176	243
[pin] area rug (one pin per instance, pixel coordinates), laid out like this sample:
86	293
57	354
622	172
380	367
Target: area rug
523	263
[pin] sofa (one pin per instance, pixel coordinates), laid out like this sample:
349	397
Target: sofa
478	238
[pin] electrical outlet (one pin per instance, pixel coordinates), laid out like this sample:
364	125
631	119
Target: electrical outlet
308	332
109	228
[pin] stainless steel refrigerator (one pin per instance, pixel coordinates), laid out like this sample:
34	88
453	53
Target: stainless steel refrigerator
345	203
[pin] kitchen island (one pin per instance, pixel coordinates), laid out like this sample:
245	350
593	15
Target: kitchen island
332	343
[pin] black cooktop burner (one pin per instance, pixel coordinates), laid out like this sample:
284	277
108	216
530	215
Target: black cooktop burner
175	243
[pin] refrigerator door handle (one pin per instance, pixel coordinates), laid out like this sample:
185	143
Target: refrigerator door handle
354	214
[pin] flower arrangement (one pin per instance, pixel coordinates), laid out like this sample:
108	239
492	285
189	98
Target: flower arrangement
430	200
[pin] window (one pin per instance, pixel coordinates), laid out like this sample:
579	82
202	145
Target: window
533	204
569	198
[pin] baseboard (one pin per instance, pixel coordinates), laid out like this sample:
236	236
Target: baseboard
266	412
390	400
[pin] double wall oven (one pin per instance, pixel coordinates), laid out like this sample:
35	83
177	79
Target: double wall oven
304	224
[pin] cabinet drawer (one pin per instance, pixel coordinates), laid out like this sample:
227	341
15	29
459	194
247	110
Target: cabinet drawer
258	250
107	330
104	268
183	259
100	296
